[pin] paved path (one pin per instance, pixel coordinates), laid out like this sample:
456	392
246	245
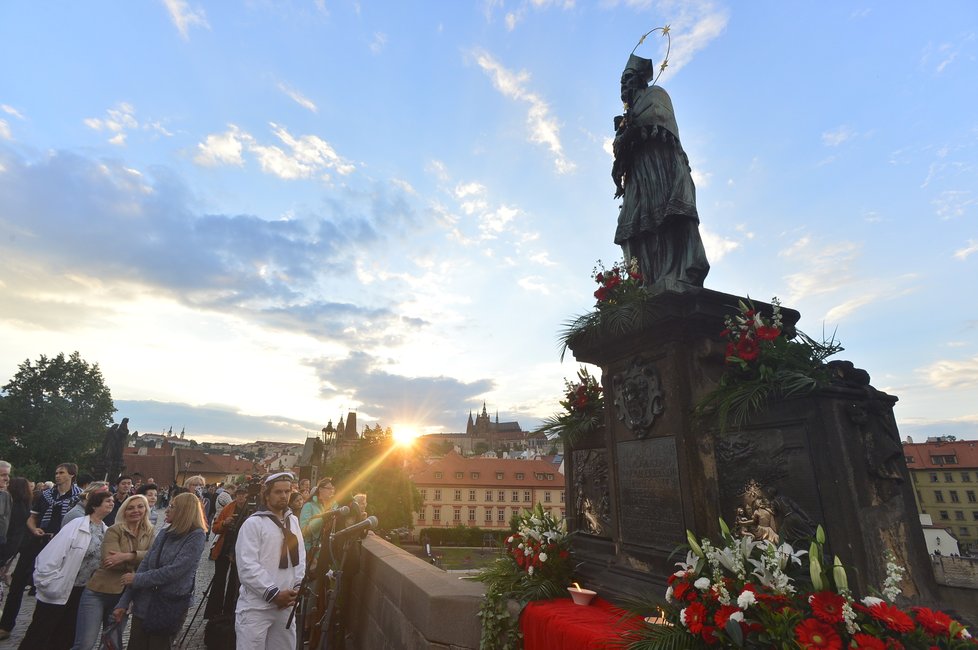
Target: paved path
195	638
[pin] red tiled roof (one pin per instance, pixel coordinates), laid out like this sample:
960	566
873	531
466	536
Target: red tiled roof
923	453
150	451
534	472
160	468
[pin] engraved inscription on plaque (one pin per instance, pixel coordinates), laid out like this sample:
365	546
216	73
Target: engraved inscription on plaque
651	509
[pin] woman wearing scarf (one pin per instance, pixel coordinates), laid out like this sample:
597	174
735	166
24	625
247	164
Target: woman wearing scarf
161	589
62	569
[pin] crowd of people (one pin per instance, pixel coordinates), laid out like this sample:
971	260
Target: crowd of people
101	556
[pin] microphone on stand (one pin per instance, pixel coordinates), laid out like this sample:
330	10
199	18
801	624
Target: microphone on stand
369	523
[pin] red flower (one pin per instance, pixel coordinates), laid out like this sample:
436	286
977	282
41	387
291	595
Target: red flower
708	635
601	294
747	349
894	619
731	350
893	644
868	641
767	333
936	623
723	614
695	617
599	277
811	633
827	606
683	591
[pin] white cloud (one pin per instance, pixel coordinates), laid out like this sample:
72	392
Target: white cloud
221	148
380	41
534	283
305	156
701	179
117	121
184	17
5	131
543	127
716	245
463	190
969	249
952	374
953	203
496	221
828	268
298	98
10	110
835	137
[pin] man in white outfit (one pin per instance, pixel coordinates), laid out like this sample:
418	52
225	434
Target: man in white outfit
271	561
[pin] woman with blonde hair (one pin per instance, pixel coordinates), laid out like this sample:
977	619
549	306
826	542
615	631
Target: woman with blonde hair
126	543
161	589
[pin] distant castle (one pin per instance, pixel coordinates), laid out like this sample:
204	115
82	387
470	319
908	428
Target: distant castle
494	433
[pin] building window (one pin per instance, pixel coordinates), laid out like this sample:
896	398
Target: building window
561	496
501	496
519	476
946	459
459	474
933	477
438	474
489	496
550	477
458	495
909	459
948	477
437	495
437	515
516	496
959	515
944	516
424	494
974	515
527	496
938	496
546	496
964	530
421	515
457	516
971	496
501	515
471	495
499	476
954	496
471	514
488	515
474	475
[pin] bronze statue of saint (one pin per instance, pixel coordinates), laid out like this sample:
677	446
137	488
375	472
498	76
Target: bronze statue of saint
658	224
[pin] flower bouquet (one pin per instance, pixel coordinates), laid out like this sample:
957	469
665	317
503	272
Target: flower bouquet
763	363
749	593
583	413
535	565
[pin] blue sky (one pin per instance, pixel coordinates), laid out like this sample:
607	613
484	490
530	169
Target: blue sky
258	215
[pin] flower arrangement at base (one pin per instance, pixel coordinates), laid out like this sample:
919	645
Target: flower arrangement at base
748	593
583	414
763	363
535	565
620	304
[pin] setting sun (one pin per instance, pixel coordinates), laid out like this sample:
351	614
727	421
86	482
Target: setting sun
405	435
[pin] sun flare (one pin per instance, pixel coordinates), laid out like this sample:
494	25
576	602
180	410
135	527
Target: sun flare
405	435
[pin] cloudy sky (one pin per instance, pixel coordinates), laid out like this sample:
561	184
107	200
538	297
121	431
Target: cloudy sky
257	215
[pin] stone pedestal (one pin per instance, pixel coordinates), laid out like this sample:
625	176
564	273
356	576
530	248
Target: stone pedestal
832	457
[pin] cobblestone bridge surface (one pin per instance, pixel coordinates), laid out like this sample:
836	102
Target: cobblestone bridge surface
195	635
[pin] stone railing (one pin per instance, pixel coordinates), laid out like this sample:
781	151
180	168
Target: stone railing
401	601
956	571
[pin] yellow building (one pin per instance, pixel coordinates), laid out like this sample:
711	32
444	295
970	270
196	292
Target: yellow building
485	492
945	477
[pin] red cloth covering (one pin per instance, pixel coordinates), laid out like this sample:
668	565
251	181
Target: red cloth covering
561	625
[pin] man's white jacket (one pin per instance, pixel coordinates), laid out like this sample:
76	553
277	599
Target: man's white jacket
58	563
257	553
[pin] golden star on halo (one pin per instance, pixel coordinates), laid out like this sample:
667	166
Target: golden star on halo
665	30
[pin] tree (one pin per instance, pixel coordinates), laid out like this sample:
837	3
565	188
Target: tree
51	412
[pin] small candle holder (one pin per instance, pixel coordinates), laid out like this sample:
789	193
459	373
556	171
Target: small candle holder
581	596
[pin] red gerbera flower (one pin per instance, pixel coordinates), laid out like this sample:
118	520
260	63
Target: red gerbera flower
811	633
868	642
683	591
723	614
894	619
766	333
747	349
936	623
827	606
695	617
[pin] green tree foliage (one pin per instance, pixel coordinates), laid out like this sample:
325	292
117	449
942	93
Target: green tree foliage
53	411
374	467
